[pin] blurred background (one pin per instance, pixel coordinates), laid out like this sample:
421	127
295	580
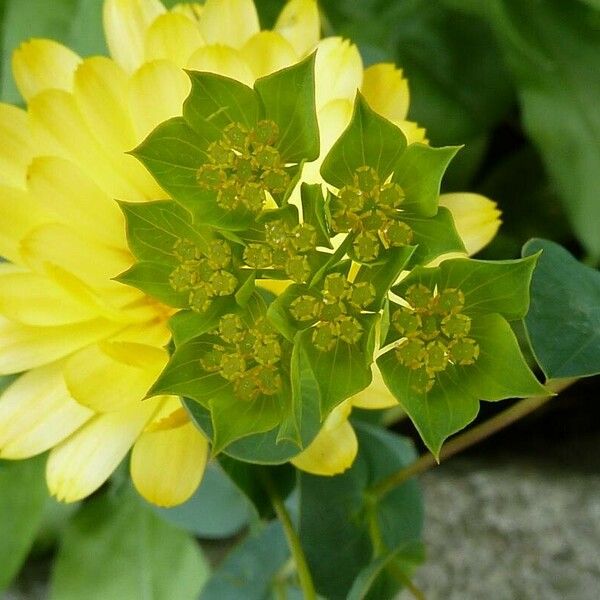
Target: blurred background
518	83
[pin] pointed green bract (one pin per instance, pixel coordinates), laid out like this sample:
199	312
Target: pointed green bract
489	286
152	278
340	372
437	414
383	275
434	236
155	228
215	102
369	140
288	99
500	371
451	344
419	173
313	212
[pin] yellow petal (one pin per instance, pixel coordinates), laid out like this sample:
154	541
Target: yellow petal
413	132
21	214
157	91
167	466
24	347
101	94
333	119
34	299
335	447
300	25
338	71
16	149
222	60
476	217
91	261
125	25
85	460
74	199
386	91
97	380
59	129
192	10
376	396
174	37
267	52
40	65
170	415
229	22
37	412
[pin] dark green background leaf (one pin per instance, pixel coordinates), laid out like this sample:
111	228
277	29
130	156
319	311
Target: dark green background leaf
217	509
334	515
117	547
23	497
563	323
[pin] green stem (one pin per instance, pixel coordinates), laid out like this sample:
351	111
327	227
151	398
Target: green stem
468	438
304	576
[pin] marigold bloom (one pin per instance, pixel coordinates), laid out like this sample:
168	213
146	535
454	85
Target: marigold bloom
91	347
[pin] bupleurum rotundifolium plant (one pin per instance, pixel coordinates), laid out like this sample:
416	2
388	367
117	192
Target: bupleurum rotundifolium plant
240	207
260	373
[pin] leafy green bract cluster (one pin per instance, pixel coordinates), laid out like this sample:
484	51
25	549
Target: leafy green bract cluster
260	372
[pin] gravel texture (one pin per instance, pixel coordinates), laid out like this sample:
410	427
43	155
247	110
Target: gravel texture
507	529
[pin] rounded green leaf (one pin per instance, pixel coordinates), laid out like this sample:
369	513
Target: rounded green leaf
563	323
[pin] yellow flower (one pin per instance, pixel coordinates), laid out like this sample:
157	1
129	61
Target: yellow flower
91	347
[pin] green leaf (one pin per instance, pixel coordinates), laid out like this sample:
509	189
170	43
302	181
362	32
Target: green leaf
369	140
341	524
403	560
500	372
216	510
250	570
500	286
152	278
216	101
419	172
153	228
447	408
563	323
288	99
552	50
434	236
313	212
23	497
117	547
385	273
250	480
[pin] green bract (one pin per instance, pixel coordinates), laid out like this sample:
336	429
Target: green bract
259	374
450	345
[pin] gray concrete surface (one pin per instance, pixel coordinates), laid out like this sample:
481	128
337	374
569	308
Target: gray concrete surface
510	529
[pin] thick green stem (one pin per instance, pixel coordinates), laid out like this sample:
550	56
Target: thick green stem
469	438
304	576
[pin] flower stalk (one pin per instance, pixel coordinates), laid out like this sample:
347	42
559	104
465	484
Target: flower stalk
470	437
